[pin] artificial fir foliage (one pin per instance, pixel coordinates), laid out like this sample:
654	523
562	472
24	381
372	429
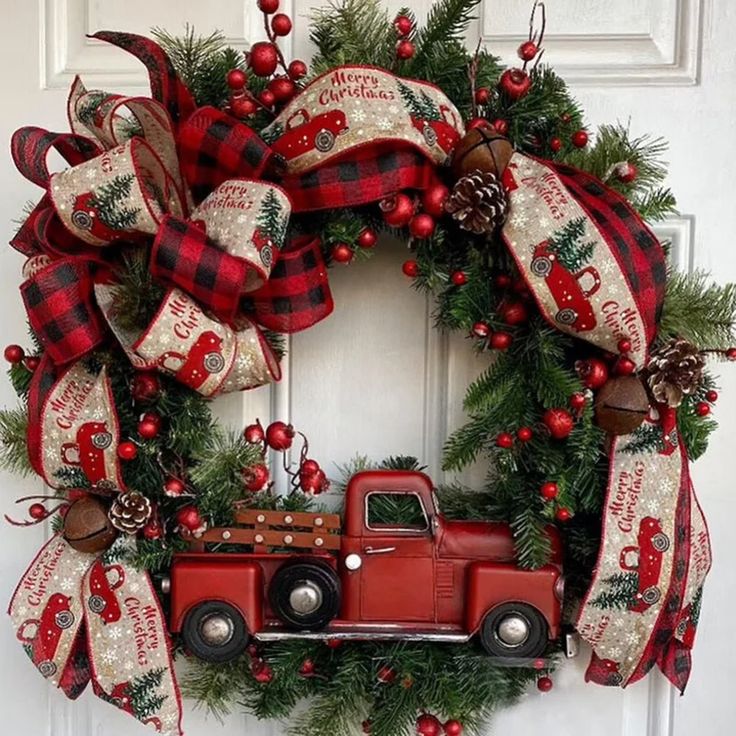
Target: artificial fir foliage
474	282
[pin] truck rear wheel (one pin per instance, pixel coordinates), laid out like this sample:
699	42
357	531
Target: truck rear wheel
514	630
215	631
305	594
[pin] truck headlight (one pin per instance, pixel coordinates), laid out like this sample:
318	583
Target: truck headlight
560	588
165	585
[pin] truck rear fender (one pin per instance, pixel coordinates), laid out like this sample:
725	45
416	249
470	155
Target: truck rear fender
493	583
209	577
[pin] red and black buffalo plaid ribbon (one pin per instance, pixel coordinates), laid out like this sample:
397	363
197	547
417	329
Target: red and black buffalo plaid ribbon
364	175
640	255
297	294
166	86
214	147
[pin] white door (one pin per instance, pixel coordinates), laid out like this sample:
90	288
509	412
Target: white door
353	386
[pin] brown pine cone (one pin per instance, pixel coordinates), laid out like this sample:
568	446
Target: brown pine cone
130	511
478	202
674	371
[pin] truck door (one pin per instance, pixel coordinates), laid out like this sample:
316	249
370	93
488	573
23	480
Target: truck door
397	551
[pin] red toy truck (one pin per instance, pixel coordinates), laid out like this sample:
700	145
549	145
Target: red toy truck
418	577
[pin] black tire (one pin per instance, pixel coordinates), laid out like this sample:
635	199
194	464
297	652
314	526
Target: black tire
319	580
532	646
195	639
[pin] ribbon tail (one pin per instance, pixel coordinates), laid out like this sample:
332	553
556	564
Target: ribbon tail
166	86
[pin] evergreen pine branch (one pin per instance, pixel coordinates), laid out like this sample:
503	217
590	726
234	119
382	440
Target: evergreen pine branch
647	438
699	311
20	377
13	445
655	205
215	686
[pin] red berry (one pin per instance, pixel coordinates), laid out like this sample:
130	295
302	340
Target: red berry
366	726
731	354
403	25
283	88
453	728
578	401
254	433
501	340
255	477
624	345
267	98
281	24
263	58
580	139
397	210
482	95
279	436
37	511
149	429
236	79
515	83
505	441
422	226
367	238
433	200
153	530
333	643
524	434
243	108
549	490
712	396
173	488
544	684
297	70
146	387
14	354
539	663
459	278
268	6
189	518
702	409
481	330
624	367
559	422
626	172
477	123
428	725
262	673
528	50
501	126
313	482
386	674
566	117
502	281
307	668
410	269
515	314
31	362
405	49
563	514
342	253
555	144
593	373
309	467
127	451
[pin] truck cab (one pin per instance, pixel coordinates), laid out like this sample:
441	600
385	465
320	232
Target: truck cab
397	570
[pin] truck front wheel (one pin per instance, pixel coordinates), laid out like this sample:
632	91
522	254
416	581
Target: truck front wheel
215	631
514	630
305	594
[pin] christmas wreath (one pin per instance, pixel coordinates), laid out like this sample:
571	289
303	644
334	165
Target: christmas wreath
193	228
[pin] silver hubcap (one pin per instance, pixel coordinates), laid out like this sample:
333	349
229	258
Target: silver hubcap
216	630
513	630
305	598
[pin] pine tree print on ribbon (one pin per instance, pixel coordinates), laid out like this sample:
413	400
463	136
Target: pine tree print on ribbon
421	106
624	587
567	246
106	201
271	220
87	110
139	695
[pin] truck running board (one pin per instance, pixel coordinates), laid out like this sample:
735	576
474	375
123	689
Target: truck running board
365	635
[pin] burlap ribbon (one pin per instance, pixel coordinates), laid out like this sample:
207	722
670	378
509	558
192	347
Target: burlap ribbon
598	273
82	619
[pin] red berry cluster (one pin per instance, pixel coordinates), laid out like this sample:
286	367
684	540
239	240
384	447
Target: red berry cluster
279	436
344	252
15	355
404	47
429	725
263	60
